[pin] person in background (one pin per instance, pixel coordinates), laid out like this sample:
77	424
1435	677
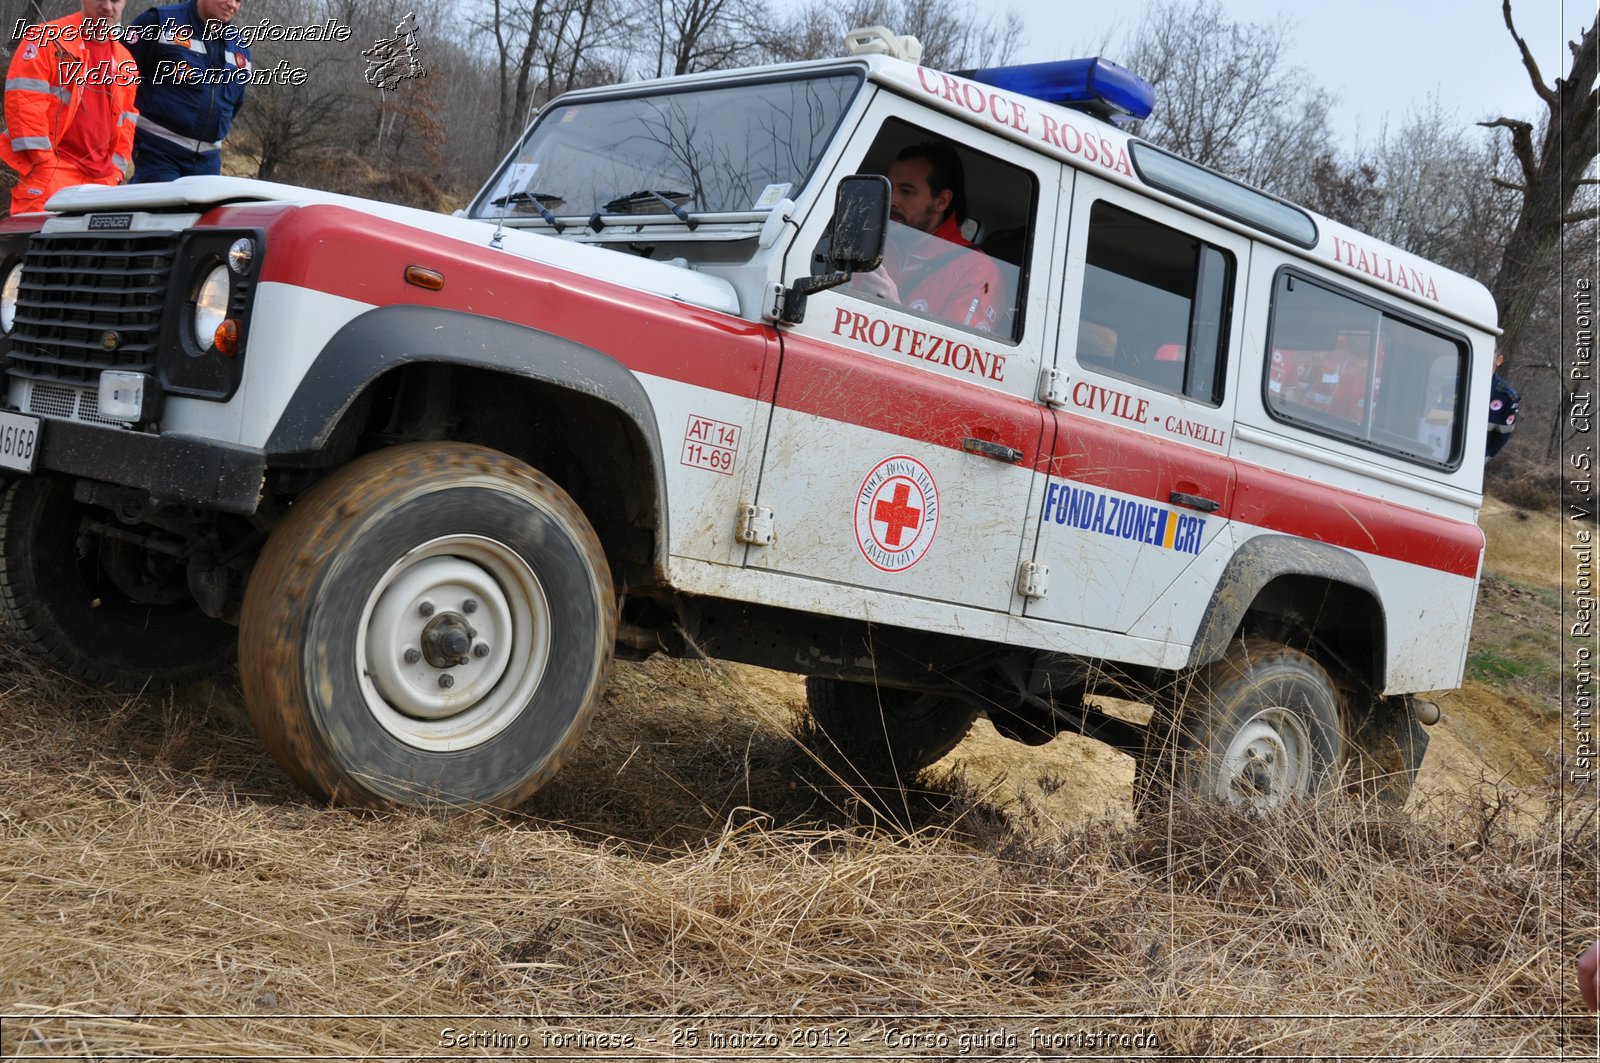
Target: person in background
1589	976
1503	405
929	267
69	106
192	75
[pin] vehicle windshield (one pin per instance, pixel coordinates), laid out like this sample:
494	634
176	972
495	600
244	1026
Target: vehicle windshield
724	149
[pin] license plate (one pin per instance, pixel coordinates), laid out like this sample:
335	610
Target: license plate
19	441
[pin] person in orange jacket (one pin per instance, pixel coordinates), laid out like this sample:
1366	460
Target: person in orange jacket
69	105
929	267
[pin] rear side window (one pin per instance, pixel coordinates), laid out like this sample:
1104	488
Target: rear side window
1362	372
1156	303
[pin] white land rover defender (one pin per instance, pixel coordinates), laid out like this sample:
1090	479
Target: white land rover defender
1202	449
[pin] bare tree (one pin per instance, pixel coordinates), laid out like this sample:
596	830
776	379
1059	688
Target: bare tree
1348	191
1550	177
1226	96
694	35
543	48
1439	196
30	12
280	122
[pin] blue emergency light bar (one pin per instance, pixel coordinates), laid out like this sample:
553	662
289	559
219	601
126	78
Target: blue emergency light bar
1096	85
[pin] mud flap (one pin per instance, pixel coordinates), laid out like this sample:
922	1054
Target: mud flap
1387	744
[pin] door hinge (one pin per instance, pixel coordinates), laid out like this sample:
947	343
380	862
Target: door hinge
1033	580
1053	387
755	525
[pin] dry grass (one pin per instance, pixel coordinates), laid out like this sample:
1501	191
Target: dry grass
696	874
153	864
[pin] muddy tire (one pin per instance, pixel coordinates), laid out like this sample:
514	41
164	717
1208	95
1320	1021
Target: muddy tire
1255	729
883	733
431	625
101	610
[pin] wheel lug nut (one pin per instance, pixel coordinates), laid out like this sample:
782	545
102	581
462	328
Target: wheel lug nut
426	608
481	650
447	681
413	656
469	606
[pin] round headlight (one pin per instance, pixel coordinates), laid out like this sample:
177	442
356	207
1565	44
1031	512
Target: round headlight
210	307
8	298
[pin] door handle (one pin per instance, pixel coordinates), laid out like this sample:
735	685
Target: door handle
1203	504
997	451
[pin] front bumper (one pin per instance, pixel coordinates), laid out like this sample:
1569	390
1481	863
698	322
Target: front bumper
219	476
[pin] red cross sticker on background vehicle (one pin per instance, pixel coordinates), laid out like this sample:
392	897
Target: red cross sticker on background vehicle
897	513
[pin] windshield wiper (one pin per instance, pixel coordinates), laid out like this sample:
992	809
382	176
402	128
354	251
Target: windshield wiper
538	199
630	204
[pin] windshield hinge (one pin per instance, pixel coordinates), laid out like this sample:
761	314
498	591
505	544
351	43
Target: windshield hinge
772	305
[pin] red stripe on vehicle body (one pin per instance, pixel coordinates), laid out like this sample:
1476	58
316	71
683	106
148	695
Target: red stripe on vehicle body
1277	501
861	389
356	256
333	249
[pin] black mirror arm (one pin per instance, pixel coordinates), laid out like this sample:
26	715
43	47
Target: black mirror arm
794	300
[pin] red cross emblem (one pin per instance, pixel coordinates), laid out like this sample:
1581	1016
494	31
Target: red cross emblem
896	513
898	516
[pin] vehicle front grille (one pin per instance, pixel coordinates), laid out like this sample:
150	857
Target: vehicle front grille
90	302
72	404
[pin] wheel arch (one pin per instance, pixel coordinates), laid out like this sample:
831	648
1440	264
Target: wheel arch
1298	588
568	409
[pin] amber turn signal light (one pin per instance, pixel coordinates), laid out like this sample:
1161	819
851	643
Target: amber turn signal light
430	279
226	339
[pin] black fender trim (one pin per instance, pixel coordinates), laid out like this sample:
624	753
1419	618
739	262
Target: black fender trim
1257	563
178	468
388	337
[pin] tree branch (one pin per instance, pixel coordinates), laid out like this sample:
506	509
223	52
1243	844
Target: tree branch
1521	144
1546	93
1498	183
1579	216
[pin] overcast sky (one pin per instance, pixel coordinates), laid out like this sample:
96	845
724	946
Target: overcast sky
1378	56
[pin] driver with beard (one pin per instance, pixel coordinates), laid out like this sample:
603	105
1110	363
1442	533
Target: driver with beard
929	267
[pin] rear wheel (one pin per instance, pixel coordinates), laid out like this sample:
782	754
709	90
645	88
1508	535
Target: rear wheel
1257	728
99	608
886	733
431	625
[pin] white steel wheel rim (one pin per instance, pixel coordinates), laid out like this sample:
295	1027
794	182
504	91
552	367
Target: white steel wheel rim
459	582
1268	760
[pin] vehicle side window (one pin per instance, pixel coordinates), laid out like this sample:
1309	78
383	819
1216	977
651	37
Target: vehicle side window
1156	305
960	257
1351	369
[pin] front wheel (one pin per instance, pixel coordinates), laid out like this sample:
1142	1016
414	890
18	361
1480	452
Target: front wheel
97	607
1256	729
431	625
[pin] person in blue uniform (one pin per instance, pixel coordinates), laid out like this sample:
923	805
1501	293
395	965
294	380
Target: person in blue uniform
1504	402
192	77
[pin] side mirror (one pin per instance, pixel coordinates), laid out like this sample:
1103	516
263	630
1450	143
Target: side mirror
860	230
860	223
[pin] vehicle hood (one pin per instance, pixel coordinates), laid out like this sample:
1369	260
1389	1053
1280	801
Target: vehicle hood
192	194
